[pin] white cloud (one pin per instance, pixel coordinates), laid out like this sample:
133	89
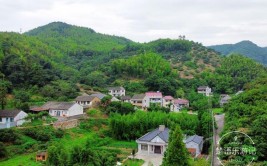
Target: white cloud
206	21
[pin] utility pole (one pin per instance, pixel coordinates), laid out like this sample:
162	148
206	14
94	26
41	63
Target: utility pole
214	135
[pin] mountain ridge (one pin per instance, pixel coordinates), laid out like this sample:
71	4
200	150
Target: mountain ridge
246	48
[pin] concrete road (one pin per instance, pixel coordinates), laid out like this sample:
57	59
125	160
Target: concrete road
220	123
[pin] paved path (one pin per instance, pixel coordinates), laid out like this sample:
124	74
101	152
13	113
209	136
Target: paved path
155	159
220	123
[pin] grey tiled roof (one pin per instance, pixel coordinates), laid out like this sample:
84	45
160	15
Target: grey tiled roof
116	88
58	105
195	138
84	98
164	135
202	87
9	113
98	95
138	97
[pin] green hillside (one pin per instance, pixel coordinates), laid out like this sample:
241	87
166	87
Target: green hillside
72	39
60	55
247	48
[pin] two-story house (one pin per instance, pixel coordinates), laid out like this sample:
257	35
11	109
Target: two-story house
116	91
152	98
205	90
137	100
167	101
178	104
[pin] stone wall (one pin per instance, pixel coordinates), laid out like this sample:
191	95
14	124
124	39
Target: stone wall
66	124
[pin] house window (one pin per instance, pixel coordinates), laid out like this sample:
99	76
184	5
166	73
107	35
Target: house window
144	147
0	119
11	119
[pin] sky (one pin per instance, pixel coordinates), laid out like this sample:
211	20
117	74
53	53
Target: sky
209	22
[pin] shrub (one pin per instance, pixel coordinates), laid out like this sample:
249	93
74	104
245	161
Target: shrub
8	135
59	133
3	151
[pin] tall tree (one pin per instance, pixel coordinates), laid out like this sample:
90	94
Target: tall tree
3	92
176	153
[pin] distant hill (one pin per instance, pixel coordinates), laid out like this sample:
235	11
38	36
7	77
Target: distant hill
247	48
70	38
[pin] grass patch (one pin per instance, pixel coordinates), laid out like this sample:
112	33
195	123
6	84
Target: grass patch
25	159
133	162
123	144
218	110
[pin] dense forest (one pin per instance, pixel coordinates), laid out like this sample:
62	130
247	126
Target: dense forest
247	113
246	48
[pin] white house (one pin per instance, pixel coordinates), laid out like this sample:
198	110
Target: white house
152	98
154	142
63	109
167	101
11	118
87	101
138	100
205	90
224	99
239	92
116	91
178	104
194	142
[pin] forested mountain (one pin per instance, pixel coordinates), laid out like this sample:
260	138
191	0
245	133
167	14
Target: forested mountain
49	59
80	54
73	39
247	113
247	48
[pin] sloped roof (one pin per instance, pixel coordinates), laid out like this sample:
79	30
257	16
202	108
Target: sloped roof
168	97
195	138
164	135
239	92
98	95
9	113
116	88
226	98
180	101
57	105
114	99
84	98
138	97
154	94
202	87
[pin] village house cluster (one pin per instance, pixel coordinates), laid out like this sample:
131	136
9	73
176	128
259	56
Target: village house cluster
61	110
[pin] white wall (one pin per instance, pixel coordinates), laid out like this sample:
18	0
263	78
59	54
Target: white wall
19	119
194	145
76	109
146	101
